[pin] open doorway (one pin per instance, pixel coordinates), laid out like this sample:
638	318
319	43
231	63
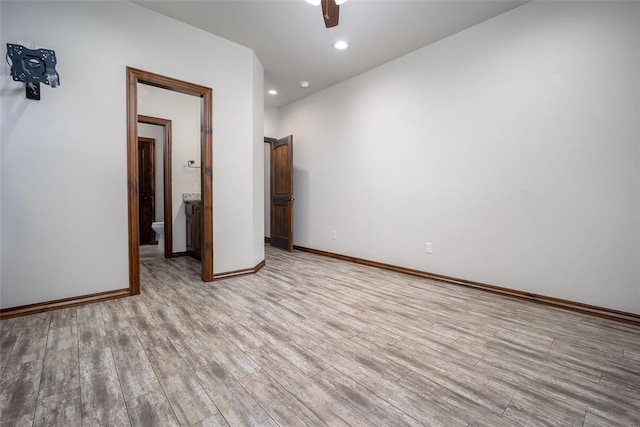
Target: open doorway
160	130
135	77
147	190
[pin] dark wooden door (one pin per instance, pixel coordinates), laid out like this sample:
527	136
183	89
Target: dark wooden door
282	193
146	189
193	213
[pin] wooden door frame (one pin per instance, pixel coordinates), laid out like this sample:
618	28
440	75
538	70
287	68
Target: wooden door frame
269	140
166	179
152	142
135	76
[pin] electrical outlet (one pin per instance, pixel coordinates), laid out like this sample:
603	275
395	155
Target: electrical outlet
429	248
195	186
334	235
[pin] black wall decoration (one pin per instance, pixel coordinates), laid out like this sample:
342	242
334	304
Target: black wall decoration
33	66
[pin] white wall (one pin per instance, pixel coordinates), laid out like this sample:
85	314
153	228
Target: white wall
2	43
512	146
258	162
271	122
184	113
64	188
156	133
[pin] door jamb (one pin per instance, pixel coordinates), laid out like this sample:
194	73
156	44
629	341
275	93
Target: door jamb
135	76
269	140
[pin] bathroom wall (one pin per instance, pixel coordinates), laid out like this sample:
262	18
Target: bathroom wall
156	132
63	183
184	113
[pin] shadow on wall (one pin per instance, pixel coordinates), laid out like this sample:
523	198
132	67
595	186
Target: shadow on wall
13	117
301	208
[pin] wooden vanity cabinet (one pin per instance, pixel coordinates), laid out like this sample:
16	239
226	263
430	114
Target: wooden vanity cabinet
193	213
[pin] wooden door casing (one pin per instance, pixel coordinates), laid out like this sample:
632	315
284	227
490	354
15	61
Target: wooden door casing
282	193
146	192
135	76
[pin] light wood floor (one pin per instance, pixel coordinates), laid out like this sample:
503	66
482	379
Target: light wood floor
312	340
149	252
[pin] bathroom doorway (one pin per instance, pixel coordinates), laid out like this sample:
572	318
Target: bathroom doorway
204	171
147	193
161	130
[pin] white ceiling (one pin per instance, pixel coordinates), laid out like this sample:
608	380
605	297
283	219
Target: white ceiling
291	42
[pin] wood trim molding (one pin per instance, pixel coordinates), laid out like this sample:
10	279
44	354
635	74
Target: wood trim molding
135	76
542	299
243	272
40	307
132	182
166	175
179	254
206	184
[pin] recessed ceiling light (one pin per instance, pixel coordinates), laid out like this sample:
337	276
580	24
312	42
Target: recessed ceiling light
304	84
341	45
273	92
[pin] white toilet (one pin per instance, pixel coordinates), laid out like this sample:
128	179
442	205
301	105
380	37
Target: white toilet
158	227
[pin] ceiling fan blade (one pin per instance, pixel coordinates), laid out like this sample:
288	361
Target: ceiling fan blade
330	13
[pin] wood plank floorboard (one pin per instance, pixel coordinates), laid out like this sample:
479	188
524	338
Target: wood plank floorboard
20	380
310	340
102	401
59	393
